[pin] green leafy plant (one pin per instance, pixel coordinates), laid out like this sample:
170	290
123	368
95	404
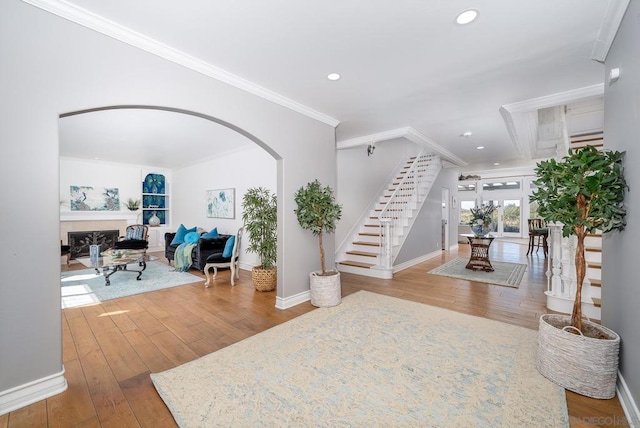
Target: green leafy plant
259	214
133	204
318	212
585	192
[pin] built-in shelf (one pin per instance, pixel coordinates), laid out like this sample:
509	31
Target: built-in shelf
155	198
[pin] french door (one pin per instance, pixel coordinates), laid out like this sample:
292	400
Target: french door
507	219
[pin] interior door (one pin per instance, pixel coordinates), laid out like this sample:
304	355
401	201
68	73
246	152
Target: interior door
445	219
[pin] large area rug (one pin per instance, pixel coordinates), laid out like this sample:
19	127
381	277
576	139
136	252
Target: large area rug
83	287
506	274
372	361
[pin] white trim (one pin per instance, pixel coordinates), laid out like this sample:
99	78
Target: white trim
39	389
608	29
553	100
410	134
628	403
454	247
417	260
119	32
296	299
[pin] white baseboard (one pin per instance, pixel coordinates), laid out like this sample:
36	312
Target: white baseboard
629	405
406	265
296	299
39	389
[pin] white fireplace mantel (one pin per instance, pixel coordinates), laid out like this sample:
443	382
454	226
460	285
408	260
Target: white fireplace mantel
131	217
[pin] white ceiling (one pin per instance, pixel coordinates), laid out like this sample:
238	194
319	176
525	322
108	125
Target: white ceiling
404	64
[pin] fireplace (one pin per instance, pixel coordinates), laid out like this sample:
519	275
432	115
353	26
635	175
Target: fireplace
80	241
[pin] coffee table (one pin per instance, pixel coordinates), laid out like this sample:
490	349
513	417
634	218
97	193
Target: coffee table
112	261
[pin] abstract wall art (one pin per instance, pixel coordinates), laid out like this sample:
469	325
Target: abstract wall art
221	203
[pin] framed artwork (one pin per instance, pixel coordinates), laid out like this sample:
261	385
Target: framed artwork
87	198
221	203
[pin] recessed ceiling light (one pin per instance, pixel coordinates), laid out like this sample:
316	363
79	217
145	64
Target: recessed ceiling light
480	147
333	76
496	163
466	134
467	16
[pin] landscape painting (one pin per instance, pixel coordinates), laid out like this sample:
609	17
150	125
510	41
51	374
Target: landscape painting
87	198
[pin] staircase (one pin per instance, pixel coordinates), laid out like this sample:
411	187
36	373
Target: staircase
378	236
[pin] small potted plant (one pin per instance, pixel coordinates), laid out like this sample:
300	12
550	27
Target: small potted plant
259	215
318	212
481	219
133	204
585	193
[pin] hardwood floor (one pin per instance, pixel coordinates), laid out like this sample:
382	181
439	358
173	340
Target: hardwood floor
110	349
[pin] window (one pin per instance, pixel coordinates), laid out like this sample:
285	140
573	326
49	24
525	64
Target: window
501	185
465	211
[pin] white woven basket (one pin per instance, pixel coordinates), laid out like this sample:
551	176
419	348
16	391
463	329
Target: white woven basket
580	363
325	290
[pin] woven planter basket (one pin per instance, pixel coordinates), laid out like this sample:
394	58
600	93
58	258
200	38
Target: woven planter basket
582	364
264	279
325	290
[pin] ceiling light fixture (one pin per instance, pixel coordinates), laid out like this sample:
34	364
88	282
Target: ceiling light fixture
333	76
466	134
466	17
480	147
496	163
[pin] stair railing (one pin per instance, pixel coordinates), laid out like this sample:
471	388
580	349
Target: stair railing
404	198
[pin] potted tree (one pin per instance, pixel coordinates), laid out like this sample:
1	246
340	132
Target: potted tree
318	212
259	214
585	192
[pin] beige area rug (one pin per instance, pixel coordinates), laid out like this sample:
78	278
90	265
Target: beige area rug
372	361
504	273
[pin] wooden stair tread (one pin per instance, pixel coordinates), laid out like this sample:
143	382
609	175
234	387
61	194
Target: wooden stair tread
368	234
594	265
595	282
593	249
370	244
362	253
356	264
597	302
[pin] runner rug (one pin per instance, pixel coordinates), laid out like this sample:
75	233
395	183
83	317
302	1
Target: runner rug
373	360
83	287
506	274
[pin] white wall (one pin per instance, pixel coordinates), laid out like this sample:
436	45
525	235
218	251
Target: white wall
241	170
51	66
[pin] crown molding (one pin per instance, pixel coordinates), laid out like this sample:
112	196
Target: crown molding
408	133
608	29
114	30
553	100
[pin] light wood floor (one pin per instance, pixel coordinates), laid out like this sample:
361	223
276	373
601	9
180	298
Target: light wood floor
110	349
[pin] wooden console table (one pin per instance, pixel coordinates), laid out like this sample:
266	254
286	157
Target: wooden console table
479	259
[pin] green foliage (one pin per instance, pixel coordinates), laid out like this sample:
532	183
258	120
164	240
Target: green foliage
133	204
317	211
584	191
260	217
597	176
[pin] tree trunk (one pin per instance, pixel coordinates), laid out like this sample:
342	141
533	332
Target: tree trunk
321	254
576	316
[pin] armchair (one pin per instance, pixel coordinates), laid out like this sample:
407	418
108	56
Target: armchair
136	238
218	260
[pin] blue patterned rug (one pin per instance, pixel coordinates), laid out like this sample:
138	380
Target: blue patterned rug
83	287
372	361
506	274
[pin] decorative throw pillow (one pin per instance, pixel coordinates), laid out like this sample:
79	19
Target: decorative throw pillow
191	237
211	234
228	247
180	234
134	232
